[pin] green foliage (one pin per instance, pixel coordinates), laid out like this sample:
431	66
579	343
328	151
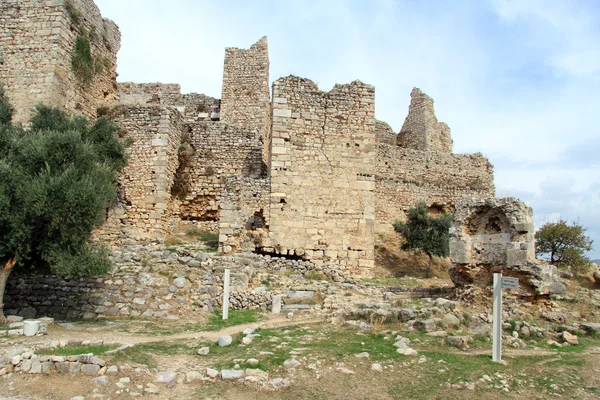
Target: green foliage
6	110
425	232
181	181
563	244
82	62
74	13
57	180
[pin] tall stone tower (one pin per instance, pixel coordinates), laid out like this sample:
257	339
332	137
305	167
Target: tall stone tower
421	129
37	43
245	99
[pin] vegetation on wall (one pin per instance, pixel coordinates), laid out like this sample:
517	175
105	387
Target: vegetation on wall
82	61
74	13
181	182
57	179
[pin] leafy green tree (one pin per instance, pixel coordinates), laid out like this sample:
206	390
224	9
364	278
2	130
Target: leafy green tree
425	232
57	179
563	244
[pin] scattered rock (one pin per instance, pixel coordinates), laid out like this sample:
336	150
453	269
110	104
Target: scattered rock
232	374
569	338
90	369
291	363
252	361
590	327
451	320
461	342
204	351
427	325
100	381
166	378
192	376
225	340
376	367
212	373
345	371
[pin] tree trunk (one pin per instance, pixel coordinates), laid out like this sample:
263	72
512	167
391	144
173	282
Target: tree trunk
430	268
8	266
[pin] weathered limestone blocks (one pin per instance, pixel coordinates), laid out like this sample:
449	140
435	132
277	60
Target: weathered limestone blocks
193	106
37	40
404	177
246	98
497	235
421	129
322	173
155	133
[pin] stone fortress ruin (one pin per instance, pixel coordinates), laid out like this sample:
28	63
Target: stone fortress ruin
286	170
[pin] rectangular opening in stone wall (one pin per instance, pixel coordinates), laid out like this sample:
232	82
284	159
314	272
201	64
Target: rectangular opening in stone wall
200	208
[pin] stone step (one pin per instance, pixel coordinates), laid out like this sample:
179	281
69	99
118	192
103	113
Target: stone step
295	307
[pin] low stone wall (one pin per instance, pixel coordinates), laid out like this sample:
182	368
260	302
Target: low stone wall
148	282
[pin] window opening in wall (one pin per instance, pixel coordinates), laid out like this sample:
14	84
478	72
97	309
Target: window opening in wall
263	252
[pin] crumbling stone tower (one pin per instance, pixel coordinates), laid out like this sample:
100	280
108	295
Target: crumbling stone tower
322	172
37	41
246	99
421	129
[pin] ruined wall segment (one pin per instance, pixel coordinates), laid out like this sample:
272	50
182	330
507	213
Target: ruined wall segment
405	176
37	40
193	106
385	133
226	160
421	129
146	207
322	168
498	235
245	99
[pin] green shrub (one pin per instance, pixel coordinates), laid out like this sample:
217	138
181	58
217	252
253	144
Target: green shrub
82	62
74	13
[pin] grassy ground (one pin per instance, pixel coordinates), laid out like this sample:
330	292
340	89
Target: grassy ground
439	372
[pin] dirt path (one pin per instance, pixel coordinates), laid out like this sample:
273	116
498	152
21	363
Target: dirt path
110	335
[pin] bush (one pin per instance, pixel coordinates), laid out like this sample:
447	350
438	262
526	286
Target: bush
82	62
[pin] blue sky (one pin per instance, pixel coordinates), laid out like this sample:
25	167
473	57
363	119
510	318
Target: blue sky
518	80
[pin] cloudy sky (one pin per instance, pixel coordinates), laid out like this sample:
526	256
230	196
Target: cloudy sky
516	80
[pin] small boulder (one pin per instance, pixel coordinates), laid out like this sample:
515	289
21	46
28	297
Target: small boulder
232	374
203	351
460	342
212	373
451	320
166	378
192	376
291	363
252	362
427	325
225	340
376	367
100	381
569	338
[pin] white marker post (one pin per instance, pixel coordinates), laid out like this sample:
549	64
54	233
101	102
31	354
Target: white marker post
226	294
499	284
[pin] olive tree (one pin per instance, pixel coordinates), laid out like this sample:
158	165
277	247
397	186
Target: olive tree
57	179
563	244
425	232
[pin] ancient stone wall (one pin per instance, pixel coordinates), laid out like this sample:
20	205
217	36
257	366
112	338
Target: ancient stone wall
405	177
193	106
37	41
385	134
155	133
245	99
498	235
421	129
133	94
147	281
322	172
227	160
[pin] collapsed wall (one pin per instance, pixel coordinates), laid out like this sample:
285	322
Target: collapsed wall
245	98
37	43
403	177
322	173
497	235
145	206
193	106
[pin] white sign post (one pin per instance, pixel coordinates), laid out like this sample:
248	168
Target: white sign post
499	284
227	279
